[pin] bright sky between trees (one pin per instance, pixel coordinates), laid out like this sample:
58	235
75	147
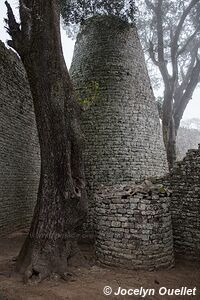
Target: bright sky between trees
192	110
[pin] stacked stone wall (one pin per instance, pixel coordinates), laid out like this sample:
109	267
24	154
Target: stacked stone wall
133	226
184	181
19	149
123	140
131	220
123	144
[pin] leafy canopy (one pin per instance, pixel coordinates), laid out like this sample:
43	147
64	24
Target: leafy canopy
75	11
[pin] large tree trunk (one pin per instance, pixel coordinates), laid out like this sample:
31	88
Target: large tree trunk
61	202
170	135
169	130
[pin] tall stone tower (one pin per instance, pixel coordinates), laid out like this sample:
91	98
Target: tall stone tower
120	119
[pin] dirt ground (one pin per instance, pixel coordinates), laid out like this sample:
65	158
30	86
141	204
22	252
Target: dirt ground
88	282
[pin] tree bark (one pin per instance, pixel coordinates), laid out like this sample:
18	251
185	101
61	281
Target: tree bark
168	126
169	136
61	201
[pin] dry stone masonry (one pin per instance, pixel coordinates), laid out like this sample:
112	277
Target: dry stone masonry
120	122
19	149
133	226
130	216
185	205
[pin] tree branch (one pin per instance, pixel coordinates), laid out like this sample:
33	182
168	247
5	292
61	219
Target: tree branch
20	36
152	53
174	42
13	29
150	5
161	59
182	20
189	40
26	20
194	79
180	90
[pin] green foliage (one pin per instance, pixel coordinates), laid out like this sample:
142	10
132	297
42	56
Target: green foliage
88	94
75	11
162	189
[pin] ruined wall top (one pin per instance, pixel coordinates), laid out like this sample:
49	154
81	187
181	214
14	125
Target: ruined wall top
184	182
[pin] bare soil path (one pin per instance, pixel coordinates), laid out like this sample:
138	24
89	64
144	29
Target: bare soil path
88	282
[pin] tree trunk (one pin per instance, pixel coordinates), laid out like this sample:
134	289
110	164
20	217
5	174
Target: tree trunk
170	143
61	200
169	130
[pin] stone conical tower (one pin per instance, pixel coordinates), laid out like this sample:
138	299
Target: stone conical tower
121	123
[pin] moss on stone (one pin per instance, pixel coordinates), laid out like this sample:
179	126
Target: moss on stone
88	94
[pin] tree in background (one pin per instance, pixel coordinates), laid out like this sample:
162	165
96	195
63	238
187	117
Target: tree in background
61	200
76	11
193	123
188	136
170	34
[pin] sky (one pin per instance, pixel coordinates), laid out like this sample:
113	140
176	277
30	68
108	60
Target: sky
193	108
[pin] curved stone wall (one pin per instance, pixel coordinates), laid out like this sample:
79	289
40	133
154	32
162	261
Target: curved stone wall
133	226
19	148
121	124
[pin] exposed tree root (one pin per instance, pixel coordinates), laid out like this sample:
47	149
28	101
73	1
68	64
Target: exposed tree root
40	260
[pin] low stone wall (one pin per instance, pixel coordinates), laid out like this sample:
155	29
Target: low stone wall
19	148
185	205
133	226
